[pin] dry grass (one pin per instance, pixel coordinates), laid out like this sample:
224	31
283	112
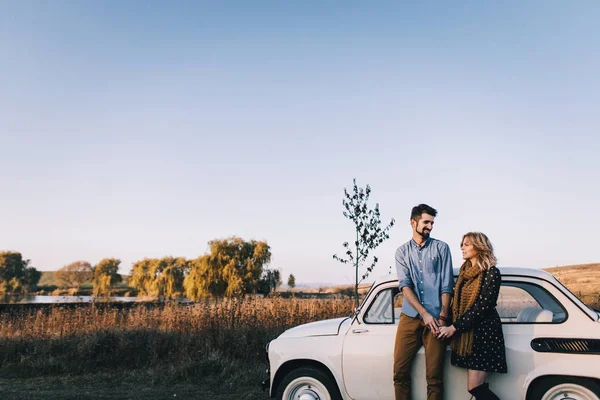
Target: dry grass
215	348
200	347
345	290
578	267
174	340
583	280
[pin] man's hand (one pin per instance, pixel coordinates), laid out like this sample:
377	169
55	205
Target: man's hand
431	323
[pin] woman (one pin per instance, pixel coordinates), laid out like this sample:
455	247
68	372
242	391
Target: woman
478	343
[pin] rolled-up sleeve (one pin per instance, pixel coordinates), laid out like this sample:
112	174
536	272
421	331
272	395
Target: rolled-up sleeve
404	279
447	271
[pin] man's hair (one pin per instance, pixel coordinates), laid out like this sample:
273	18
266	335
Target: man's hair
421	209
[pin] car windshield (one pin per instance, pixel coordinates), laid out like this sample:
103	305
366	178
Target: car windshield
362	301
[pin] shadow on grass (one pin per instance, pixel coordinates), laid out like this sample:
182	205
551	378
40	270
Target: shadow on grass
169	356
236	382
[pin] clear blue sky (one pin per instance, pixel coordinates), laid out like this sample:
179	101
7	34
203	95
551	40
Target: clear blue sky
145	129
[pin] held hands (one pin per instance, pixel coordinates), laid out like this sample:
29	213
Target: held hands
446	332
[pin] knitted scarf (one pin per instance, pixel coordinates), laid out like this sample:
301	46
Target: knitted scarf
465	293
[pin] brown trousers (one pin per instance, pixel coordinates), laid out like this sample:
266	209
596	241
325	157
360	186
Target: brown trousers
411	334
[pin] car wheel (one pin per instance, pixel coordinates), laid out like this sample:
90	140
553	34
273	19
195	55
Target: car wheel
566	388
307	383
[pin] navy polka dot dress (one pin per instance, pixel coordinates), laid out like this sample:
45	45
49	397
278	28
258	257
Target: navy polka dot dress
488	352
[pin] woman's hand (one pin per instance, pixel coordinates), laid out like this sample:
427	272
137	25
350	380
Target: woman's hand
446	332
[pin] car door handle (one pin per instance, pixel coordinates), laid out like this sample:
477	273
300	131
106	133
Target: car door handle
360	330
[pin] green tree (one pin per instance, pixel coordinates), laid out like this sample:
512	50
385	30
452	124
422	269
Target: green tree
32	277
169	276
233	267
369	233
159	277
16	275
270	281
106	275
205	278
74	274
276	279
140	277
291	281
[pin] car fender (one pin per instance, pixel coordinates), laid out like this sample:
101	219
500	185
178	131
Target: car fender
579	365
325	350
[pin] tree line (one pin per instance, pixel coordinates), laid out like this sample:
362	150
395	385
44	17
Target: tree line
232	267
16	274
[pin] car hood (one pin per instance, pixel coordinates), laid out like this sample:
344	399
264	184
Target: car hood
328	327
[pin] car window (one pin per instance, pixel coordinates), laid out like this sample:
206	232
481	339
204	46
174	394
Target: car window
384	309
527	303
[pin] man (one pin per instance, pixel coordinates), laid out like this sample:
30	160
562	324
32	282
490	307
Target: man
425	276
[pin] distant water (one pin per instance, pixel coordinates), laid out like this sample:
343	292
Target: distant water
16	299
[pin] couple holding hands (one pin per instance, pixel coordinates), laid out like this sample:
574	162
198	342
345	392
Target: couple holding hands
435	311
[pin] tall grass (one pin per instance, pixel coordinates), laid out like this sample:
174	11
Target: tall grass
171	340
168	340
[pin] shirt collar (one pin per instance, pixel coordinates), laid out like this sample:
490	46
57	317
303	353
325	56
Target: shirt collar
424	244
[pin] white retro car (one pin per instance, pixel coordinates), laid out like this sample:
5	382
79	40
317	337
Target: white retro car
552	348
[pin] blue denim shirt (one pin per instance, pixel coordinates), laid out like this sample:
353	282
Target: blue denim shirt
427	270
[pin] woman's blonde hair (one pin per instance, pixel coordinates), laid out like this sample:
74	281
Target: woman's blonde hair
485	251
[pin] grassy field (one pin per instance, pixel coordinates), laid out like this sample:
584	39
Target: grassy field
212	350
239	383
208	350
583	280
49	285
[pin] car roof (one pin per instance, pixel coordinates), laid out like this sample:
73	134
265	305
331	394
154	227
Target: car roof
508	271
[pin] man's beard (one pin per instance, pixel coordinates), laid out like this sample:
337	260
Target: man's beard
424	233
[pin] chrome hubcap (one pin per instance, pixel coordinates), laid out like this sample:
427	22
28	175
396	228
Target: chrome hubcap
307	394
306	388
569	391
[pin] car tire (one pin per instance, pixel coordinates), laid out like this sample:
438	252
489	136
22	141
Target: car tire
566	387
307	383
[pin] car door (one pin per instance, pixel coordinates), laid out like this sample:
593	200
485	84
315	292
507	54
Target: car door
368	354
528	309
367	357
